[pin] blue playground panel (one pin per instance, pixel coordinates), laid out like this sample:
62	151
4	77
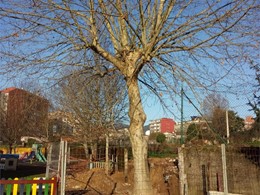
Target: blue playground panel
9	156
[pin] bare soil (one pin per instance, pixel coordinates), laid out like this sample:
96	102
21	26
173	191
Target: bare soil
80	180
163	173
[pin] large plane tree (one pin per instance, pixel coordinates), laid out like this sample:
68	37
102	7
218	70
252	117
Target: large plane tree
152	43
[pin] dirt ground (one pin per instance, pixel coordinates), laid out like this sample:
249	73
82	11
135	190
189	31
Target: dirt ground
163	173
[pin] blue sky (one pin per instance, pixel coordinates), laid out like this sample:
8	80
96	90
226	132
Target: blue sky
237	98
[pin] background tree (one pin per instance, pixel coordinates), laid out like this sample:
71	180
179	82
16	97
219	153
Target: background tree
219	122
7	136
160	138
152	136
157	137
153	44
236	123
213	103
214	108
199	131
96	104
192	131
255	103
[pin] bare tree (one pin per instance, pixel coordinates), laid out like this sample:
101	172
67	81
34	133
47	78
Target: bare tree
214	102
151	43
214	108
95	104
7	136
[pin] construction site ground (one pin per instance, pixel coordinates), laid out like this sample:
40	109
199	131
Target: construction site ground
163	174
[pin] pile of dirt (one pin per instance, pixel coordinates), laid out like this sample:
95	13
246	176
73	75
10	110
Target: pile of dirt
163	173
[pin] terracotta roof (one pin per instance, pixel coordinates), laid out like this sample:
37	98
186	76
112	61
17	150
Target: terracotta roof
7	90
249	119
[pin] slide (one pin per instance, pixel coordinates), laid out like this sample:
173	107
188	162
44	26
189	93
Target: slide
23	156
40	157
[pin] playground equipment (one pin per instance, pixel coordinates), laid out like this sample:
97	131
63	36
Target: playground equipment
35	153
36	149
7	156
25	139
10	162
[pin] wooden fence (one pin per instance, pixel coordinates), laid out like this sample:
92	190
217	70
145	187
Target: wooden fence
28	187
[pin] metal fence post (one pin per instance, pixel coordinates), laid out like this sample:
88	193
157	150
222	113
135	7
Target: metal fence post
64	148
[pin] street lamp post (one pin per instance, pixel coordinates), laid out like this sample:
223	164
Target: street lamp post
182	133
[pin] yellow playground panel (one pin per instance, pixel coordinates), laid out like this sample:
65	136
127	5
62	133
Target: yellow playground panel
20	150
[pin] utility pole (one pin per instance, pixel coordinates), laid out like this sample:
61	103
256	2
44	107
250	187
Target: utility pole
182	133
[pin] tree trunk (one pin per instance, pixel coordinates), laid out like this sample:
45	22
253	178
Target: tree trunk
94	151
85	145
10	148
142	183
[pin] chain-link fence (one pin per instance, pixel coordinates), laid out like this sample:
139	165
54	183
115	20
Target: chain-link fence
204	169
219	118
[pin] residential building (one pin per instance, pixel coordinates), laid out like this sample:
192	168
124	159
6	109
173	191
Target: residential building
248	122
62	123
163	125
22	113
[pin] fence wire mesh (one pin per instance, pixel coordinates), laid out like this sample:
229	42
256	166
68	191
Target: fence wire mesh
203	169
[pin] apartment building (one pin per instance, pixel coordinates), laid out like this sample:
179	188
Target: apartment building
163	125
22	113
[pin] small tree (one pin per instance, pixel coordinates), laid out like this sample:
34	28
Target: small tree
199	131
160	138
192	132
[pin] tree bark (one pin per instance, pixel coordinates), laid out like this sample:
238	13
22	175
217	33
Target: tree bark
142	183
94	151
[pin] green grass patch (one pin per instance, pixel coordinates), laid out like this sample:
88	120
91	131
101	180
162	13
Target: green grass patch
162	155
255	143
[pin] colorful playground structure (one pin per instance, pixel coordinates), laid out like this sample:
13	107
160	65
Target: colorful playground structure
9	161
36	153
